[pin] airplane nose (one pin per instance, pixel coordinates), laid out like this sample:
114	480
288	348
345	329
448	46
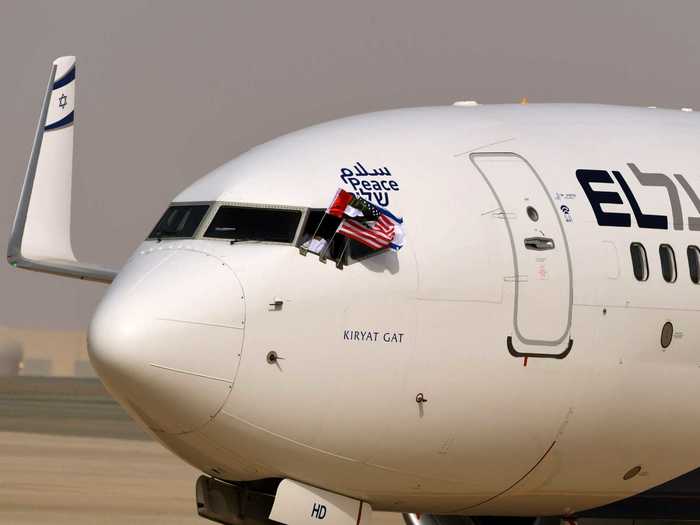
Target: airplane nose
167	337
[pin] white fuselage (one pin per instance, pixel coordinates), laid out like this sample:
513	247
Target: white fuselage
585	394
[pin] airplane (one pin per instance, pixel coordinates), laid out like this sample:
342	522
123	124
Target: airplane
530	354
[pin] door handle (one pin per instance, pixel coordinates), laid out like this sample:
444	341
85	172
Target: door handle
539	243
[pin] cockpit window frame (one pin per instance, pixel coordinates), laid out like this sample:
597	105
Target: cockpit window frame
206	220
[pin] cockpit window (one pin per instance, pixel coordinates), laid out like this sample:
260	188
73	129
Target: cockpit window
179	221
318	224
318	236
240	223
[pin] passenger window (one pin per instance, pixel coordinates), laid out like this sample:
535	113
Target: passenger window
639	261
668	263
694	263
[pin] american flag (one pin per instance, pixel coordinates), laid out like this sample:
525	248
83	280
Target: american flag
377	237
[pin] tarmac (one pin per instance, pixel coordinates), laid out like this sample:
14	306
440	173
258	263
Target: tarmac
70	455
49	479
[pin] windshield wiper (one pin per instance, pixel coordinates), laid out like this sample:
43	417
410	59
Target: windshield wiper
244	239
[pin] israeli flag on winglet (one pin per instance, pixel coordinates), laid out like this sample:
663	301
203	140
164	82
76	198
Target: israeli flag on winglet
399	235
61	110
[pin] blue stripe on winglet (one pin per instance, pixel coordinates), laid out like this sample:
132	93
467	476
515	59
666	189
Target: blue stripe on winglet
60	123
65	79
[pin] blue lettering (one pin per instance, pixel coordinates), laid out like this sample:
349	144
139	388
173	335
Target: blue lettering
373	189
381	198
354	182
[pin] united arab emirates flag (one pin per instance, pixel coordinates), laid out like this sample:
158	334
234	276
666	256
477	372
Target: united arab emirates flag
367	210
339	205
345	204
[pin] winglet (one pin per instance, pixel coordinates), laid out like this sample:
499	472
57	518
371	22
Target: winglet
40	238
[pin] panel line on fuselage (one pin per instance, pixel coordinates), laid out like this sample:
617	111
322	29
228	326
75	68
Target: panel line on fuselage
539	461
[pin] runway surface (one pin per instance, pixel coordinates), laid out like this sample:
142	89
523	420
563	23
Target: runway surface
70	455
63	406
85	480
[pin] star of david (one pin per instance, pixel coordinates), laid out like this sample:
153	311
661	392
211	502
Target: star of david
62	101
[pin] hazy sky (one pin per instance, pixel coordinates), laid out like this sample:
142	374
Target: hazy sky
169	90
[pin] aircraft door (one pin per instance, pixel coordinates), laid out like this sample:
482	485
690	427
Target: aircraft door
542	278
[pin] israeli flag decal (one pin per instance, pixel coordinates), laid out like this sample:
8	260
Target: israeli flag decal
61	111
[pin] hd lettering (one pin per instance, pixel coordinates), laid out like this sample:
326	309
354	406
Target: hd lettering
599	197
319	511
375	186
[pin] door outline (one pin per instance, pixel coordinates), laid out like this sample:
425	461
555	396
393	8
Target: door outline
531	342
